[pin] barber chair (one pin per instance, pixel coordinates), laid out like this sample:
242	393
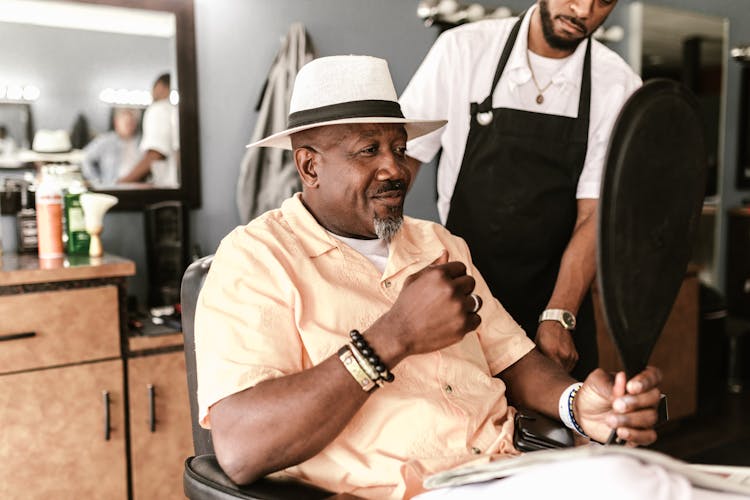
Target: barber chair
203	479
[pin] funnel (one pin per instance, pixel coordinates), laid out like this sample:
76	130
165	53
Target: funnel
95	205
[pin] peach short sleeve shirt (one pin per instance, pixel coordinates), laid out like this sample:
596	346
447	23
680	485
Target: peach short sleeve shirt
281	297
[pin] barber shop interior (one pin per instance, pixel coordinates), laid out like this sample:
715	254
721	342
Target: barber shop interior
191	307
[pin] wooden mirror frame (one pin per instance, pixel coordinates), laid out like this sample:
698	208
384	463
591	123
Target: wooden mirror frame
189	191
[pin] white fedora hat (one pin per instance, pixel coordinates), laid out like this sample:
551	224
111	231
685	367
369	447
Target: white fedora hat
344	89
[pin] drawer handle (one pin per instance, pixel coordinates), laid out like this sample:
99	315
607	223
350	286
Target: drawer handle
105	396
16	336
151	408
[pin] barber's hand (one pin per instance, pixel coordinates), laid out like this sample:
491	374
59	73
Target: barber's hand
604	403
557	344
434	309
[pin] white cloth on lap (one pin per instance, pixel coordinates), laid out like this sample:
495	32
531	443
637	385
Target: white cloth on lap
591	478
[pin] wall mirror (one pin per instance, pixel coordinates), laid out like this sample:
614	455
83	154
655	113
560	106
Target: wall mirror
692	48
83	59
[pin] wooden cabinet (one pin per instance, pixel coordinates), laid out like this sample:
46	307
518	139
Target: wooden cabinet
60	437
160	432
85	410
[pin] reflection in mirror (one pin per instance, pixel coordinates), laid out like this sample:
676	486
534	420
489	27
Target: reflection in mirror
87	59
104	57
16	130
690	47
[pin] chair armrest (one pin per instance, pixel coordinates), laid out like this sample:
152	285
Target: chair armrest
203	479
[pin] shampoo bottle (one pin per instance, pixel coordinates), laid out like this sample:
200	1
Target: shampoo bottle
49	210
77	241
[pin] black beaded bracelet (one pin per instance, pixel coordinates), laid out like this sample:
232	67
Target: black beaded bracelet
369	353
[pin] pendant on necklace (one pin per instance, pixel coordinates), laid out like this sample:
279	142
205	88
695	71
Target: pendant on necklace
539	99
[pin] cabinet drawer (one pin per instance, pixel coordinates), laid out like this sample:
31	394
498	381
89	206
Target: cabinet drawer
54	328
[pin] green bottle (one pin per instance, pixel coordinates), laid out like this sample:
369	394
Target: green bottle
77	241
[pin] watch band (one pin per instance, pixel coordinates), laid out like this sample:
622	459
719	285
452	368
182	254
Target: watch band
566	318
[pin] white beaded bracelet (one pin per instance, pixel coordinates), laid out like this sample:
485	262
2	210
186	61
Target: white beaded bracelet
565	408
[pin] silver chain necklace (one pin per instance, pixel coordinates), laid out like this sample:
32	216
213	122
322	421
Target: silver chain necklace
540	96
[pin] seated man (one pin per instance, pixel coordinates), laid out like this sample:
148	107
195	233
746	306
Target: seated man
284	385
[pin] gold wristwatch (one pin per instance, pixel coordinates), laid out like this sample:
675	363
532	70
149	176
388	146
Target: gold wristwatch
566	318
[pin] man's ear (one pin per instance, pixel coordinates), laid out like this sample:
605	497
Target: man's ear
306	161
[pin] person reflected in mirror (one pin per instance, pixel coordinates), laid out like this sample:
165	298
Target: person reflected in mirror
7	144
530	102
160	142
113	154
360	349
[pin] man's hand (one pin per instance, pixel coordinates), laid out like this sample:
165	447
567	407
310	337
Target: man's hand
605	403
433	310
557	344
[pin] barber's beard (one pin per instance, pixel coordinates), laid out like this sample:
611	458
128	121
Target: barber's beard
386	228
548	30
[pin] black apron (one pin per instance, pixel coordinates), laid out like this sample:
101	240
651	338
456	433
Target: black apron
515	203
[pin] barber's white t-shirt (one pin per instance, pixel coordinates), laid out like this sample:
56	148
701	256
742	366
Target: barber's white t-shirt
161	134
459	70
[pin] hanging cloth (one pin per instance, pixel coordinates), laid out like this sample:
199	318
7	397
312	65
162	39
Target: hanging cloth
268	175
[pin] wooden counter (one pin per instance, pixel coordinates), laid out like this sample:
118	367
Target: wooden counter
21	269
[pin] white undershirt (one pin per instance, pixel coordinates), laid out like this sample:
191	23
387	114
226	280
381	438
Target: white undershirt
544	70
376	250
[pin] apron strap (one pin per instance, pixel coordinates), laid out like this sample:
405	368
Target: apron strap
486	105
584	101
581	132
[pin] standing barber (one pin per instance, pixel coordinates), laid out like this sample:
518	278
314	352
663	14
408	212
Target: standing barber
522	158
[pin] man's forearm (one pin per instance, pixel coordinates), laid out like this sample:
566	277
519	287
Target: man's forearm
536	383
284	421
142	168
578	263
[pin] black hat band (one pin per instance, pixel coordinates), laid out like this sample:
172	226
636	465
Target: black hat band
344	110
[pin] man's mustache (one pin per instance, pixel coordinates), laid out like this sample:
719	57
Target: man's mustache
576	22
391	185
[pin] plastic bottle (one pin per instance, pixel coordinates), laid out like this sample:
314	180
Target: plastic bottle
26	220
49	210
77	241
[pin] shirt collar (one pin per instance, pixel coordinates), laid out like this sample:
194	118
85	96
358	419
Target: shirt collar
316	240
518	67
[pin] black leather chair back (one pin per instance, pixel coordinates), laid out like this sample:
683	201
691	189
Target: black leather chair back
203	478
192	281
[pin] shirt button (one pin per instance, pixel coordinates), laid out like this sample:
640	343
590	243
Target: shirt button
387	284
448	389
475	450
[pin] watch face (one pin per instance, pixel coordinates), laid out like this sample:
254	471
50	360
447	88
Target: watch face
569	320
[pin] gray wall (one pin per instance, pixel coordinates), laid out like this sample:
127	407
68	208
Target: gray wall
72	66
237	41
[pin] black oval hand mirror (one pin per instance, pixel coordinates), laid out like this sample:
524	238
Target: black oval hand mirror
650	202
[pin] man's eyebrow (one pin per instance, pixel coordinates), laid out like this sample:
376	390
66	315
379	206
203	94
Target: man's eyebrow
367	134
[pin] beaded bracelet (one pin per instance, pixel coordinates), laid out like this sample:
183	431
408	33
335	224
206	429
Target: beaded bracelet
565	408
360	344
355	370
366	365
